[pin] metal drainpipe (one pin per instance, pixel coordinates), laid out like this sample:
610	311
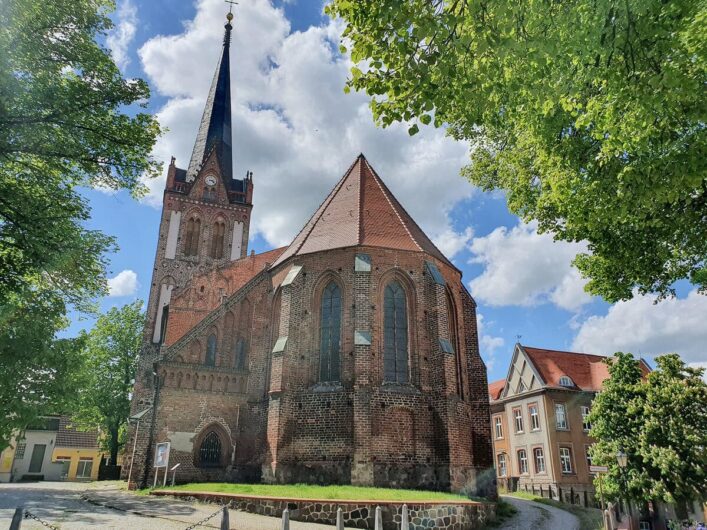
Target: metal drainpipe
151	436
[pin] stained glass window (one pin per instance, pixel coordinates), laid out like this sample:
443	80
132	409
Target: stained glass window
330	342
240	354
210	450
211	351
395	352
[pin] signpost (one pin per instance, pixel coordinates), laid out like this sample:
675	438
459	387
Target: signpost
598	470
161	460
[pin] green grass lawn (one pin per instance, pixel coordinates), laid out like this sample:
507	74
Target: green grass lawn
309	491
589	518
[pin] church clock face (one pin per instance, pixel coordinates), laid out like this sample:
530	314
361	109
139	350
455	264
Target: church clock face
210	180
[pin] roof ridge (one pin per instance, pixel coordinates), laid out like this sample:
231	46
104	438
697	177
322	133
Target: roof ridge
565	351
387	198
312	222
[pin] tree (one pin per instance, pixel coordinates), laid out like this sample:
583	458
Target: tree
111	353
660	421
68	120
590	115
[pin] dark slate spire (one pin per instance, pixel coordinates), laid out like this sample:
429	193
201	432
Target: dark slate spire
215	128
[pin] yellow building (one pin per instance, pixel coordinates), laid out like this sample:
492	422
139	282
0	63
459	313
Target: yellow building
77	452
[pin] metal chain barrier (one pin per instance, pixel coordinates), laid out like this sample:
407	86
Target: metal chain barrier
220	510
29	515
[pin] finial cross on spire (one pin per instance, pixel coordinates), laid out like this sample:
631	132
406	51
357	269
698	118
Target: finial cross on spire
232	3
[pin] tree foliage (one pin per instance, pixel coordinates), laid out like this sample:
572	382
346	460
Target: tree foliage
111	353
660	421
68	121
589	114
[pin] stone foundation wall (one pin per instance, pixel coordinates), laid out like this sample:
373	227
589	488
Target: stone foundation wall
441	515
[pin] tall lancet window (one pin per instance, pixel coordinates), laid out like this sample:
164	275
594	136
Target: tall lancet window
452	323
330	342
191	245
240	354
211	351
395	330
217	239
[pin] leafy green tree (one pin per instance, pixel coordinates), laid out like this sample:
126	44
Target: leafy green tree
589	114
111	353
660	421
68	121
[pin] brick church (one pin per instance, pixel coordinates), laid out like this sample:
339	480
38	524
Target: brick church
350	356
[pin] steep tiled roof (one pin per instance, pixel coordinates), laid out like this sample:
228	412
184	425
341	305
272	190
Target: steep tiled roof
361	210
183	316
588	372
68	436
496	388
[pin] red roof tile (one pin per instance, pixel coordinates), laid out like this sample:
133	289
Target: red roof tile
588	372
360	210
496	388
68	436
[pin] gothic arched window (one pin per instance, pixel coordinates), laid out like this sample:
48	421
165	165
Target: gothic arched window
240	354
191	245
211	351
217	239
452	324
330	340
395	334
210	450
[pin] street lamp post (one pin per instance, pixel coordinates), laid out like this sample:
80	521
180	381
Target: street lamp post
622	459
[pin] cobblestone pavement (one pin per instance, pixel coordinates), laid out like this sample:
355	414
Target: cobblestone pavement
535	516
82	506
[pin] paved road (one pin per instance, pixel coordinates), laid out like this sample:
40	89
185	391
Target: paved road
535	516
64	504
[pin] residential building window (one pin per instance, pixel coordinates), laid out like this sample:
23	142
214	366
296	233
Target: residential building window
521	387
502	469
191	243
210	450
219	230
587	449
586	426
566	459
330	329
561	416
539	458
395	339
211	351
498	426
65	465
518	419
566	381
20	450
84	468
522	462
534	417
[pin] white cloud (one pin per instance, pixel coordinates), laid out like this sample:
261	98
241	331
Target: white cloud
488	344
640	326
522	267
451	242
123	33
124	284
293	126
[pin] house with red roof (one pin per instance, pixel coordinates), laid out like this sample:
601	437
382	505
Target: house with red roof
539	422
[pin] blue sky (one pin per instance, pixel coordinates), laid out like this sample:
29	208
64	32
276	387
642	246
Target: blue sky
297	131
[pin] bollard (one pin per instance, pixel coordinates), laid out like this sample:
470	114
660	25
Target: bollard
339	519
379	519
405	519
17	519
285	520
225	523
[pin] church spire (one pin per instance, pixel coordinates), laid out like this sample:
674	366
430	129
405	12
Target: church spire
215	128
